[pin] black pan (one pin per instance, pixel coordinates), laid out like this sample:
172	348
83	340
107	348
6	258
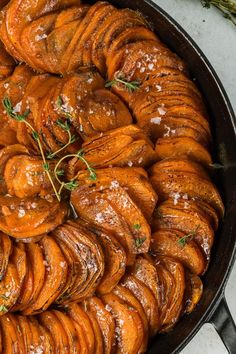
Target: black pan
212	307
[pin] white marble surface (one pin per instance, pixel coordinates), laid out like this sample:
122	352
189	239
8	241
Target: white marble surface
217	38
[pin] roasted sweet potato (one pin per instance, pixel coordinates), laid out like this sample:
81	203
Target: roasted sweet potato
82	320
127	296
134	180
7	63
168	243
5	251
127	146
115	211
193	291
30	217
98	348
185	147
10	340
147	300
88	254
9	288
126	317
186	216
55	276
105	321
175	178
175	303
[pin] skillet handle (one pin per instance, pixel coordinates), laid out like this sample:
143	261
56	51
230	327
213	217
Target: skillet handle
224	324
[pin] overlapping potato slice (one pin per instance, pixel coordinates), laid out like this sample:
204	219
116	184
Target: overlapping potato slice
7	63
188	217
87	254
147	300
182	147
105	321
193	291
172	280
178	177
140	190
5	251
30	217
126	317
112	208
126	146
169	243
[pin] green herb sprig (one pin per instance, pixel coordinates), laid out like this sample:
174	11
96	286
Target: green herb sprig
183	240
228	7
22	118
3	308
121	80
139	241
72	184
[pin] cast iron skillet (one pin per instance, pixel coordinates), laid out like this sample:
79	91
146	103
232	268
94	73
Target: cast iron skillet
212	307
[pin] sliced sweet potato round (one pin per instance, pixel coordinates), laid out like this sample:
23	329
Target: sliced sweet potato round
127	296
81	318
193	291
125	317
30	217
147	300
99	346
115	262
70	331
105	321
90	257
10	339
195	184
182	147
50	321
186	217
175	303
170	243
9	288
5	251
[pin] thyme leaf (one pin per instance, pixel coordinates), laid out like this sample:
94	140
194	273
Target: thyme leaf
183	240
121	80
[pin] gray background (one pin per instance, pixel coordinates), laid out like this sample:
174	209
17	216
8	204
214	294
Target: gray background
216	36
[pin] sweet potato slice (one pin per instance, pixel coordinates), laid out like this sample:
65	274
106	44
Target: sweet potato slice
10	340
81	318
30	217
36	261
127	296
145	271
100	112
7	63
49	320
105	321
126	317
147	300
70	330
126	146
115	262
99	347
175	304
88	252
193	291
182	147
167	243
5	251
100	212
9	288
188	219
188	179
19	335
55	277
134	180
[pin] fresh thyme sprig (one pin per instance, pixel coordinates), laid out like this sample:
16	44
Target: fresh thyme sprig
228	7
183	240
72	184
3	308
121	80
22	118
139	241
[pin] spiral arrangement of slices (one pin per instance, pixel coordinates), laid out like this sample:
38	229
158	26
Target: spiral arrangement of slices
118	257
